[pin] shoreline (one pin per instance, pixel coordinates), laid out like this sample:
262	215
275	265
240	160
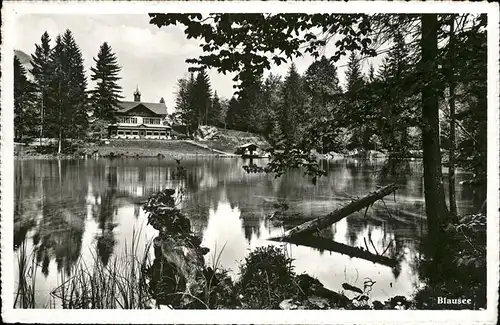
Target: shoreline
175	149
122	156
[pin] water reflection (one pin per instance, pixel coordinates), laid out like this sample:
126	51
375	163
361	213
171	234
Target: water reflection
69	208
103	211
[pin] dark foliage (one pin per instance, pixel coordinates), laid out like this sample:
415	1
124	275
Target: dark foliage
107	93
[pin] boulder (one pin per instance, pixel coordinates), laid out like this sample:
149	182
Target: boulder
206	132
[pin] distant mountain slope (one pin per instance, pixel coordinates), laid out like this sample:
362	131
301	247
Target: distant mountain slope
25	61
23	57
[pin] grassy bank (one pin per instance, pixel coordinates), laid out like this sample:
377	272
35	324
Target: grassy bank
116	148
149	148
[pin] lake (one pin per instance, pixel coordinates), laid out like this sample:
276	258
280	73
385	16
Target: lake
65	207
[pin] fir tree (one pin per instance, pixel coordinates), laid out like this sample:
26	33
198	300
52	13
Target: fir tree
58	111
77	95
354	97
24	103
395	100
67	100
41	71
233	116
184	103
250	106
215	113
107	93
201	97
292	109
371	74
354	76
271	102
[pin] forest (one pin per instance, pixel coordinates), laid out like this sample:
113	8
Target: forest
56	95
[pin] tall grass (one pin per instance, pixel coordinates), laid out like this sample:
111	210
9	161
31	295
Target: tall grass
26	274
120	284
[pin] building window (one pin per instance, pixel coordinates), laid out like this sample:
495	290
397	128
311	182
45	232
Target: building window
128	120
155	133
151	120
162	134
148	133
120	132
127	132
135	133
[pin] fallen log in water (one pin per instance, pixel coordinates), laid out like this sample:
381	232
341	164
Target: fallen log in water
312	226
333	246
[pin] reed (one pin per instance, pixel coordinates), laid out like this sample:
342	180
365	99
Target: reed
119	284
26	275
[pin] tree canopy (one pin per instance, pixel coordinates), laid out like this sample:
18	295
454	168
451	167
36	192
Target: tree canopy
249	43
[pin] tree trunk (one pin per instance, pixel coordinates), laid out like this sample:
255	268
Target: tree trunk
435	204
60	142
451	101
312	226
42	116
333	246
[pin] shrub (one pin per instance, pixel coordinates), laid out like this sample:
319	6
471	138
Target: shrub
267	278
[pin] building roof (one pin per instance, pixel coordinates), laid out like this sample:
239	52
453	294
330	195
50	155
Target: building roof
246	145
141	126
157	108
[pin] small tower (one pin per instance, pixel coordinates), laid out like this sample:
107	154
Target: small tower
137	95
162	101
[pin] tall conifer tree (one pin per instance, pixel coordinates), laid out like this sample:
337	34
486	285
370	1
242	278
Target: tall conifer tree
215	113
77	95
41	71
293	106
202	95
354	105
185	106
67	100
107	92
56	115
24	103
105	96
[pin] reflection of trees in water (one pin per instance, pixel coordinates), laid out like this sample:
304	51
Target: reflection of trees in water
250	231
396	171
103	213
353	229
61	187
27	201
396	250
59	236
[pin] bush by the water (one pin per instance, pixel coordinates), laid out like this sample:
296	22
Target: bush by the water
267	278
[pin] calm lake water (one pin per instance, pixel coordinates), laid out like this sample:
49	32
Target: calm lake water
63	207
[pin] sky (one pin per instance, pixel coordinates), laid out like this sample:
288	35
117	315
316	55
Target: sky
152	58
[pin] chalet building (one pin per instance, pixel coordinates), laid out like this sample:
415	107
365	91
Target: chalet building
140	120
